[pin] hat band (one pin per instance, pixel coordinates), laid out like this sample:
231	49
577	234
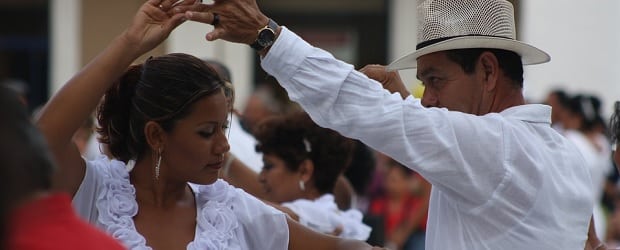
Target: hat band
437	40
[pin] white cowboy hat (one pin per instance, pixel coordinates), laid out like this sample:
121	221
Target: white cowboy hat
464	24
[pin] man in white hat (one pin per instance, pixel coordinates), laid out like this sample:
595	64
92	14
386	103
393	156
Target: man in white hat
502	177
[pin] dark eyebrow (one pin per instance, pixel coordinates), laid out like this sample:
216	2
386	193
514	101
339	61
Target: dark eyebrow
425	73
214	123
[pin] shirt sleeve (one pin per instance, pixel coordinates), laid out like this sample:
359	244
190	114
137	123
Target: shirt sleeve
263	226
457	152
312	216
85	198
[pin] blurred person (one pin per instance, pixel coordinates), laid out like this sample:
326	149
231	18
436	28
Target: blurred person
581	128
360	173
266	100
502	177
613	232
240	168
614	128
164	123
559	101
302	163
33	216
403	207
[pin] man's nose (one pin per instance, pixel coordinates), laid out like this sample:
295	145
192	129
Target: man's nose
429	98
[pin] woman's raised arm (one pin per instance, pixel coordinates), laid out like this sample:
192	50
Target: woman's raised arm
73	103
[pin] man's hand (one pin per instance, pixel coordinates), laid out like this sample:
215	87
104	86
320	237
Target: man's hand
389	79
237	20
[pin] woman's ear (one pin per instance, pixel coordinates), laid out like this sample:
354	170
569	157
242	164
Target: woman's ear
306	170
155	135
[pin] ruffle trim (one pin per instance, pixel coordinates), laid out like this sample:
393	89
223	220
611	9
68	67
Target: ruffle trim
116	203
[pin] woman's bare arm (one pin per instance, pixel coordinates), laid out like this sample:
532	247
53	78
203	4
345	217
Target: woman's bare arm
74	102
241	176
302	238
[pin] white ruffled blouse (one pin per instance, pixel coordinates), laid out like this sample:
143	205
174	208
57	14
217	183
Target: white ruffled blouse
227	217
322	215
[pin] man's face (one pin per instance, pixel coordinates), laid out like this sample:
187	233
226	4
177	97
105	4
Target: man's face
448	86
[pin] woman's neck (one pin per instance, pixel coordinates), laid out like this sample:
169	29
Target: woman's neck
161	193
311	194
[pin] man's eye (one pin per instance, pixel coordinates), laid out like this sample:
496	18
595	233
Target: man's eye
267	166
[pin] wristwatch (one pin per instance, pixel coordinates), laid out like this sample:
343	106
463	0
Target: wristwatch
266	36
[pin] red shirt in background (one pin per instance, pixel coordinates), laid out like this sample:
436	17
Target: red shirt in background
50	223
379	207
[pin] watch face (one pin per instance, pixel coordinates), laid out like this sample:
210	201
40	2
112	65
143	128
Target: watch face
266	37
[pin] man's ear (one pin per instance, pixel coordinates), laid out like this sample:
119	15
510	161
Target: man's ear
489	67
306	170
155	136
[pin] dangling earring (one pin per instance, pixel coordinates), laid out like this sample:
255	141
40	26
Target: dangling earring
302	185
157	165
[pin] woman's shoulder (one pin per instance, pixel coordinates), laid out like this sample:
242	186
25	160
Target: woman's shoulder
243	204
324	203
225	208
103	165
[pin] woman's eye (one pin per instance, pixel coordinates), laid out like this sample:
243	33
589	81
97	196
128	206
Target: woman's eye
205	134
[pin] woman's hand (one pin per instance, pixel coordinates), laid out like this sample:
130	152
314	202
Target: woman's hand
153	23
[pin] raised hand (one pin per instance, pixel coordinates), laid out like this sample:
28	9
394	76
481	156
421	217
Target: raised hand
389	79
237	20
150	26
153	23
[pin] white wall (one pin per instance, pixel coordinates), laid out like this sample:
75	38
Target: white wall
65	19
190	38
583	39
402	35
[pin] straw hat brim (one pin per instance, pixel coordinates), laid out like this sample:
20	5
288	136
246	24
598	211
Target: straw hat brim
529	54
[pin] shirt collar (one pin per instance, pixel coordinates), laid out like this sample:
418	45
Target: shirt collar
535	113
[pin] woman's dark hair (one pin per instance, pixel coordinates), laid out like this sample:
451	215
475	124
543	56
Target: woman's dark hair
295	138
588	108
614	123
162	89
509	62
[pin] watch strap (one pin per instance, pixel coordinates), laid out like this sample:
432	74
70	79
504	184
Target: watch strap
273	26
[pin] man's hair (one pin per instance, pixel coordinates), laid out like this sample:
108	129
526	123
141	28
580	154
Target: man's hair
509	62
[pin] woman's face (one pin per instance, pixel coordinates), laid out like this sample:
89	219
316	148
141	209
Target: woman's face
194	149
280	183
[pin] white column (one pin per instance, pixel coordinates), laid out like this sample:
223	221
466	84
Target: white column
190	38
402	34
65	41
583	40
